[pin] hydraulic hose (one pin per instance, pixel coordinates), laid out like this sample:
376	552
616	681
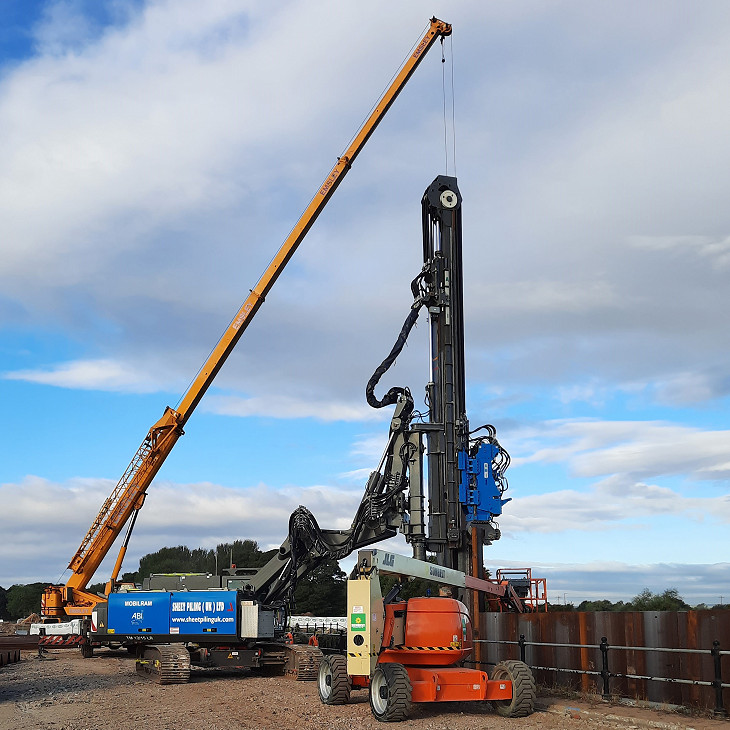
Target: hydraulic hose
391	396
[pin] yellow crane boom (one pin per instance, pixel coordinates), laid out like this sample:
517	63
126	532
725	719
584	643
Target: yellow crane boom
72	599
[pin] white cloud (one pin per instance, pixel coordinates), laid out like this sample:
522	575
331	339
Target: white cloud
118	376
555	297
687	388
650	489
593	448
207	514
615	501
714	248
370	447
107	375
356	475
279	406
192	514
171	153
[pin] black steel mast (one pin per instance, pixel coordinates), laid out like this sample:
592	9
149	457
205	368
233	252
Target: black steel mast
448	430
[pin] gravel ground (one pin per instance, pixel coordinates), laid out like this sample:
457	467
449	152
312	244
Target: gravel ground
66	692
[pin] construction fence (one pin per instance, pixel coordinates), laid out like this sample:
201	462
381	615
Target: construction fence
667	657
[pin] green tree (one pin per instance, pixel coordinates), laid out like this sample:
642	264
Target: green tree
24	599
323	592
4	604
245	554
601	605
669	600
180	559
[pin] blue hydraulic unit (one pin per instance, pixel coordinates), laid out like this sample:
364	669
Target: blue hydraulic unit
479	492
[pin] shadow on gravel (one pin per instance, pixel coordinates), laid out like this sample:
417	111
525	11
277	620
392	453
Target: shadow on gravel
434	710
442	710
28	681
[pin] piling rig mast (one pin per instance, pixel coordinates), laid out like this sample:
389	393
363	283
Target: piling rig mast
466	480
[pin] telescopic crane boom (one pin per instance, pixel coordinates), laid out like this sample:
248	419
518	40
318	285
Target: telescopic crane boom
127	497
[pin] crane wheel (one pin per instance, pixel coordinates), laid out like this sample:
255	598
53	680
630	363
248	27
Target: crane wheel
333	682
390	693
524	691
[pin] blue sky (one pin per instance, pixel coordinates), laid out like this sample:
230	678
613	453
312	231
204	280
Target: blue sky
153	156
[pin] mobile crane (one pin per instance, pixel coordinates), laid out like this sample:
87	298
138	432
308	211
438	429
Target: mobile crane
73	600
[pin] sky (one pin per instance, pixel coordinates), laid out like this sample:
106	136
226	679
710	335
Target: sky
155	154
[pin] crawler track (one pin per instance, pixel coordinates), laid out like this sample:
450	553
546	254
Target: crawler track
303	662
165	664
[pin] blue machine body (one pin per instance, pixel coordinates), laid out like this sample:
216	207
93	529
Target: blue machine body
479	494
182	612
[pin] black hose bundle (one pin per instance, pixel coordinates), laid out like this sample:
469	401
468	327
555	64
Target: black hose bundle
392	395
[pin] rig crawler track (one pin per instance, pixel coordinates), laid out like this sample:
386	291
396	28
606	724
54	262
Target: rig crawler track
303	662
165	664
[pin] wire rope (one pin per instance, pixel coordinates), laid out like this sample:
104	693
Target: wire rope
453	104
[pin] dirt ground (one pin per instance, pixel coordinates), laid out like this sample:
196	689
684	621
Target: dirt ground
66	692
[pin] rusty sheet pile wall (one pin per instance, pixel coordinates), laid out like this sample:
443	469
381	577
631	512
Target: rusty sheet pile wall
650	629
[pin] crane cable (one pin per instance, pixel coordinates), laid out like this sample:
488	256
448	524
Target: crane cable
445	105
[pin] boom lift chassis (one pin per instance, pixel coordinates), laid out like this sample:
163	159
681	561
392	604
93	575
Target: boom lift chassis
413	651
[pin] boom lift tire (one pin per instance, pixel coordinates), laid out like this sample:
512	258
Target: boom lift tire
333	682
87	651
390	693
524	691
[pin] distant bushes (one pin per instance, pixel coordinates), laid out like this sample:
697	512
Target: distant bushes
20	601
667	600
